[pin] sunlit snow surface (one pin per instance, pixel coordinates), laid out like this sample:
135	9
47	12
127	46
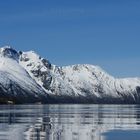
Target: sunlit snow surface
82	82
68	122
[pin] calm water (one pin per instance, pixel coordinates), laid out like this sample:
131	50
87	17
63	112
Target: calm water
69	122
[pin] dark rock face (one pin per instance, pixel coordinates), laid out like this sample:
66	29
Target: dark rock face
10	52
46	63
138	89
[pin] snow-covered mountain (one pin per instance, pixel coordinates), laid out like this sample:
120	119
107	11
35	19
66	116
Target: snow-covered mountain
27	76
16	84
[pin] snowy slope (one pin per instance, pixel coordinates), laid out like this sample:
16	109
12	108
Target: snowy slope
15	82
76	83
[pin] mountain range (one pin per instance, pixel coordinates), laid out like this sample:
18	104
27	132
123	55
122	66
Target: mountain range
26	77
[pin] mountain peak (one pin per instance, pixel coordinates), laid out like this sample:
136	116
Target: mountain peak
8	51
6	48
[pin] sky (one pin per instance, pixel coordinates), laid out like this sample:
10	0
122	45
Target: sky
66	32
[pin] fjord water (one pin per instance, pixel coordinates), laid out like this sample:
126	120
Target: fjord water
69	122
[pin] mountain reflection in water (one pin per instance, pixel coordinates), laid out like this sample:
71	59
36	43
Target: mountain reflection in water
66	122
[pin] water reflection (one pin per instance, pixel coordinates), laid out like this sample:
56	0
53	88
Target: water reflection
66	122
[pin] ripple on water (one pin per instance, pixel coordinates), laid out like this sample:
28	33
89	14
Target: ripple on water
68	122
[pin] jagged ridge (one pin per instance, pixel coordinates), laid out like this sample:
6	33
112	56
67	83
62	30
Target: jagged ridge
74	84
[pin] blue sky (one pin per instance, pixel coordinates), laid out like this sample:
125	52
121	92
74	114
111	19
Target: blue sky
99	32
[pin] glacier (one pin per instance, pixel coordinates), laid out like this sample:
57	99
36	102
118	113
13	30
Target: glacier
26	77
